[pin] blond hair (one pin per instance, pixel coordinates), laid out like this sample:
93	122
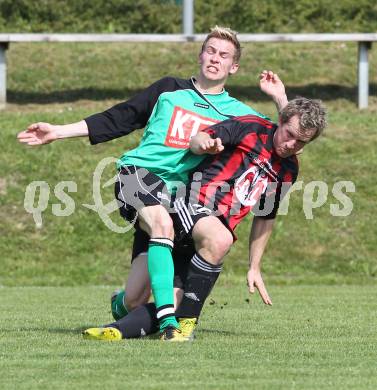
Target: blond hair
228	35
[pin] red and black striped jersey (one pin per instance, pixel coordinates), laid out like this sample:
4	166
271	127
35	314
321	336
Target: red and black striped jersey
247	176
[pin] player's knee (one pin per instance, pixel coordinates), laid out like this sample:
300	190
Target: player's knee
156	221
132	302
163	227
135	297
215	247
221	245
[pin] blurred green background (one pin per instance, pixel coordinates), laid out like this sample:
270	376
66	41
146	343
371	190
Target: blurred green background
63	83
165	16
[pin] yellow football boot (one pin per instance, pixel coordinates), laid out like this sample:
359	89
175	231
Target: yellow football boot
187	326
103	334
172	334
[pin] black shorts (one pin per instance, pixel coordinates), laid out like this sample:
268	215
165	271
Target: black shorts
182	254
136	188
186	214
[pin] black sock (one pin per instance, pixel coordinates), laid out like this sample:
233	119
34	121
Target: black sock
201	278
137	323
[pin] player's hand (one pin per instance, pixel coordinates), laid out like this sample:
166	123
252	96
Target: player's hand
255	281
271	84
212	146
38	134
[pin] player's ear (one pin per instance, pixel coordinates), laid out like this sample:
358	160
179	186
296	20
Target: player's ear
234	68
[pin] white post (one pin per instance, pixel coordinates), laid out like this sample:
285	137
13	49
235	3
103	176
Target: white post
188	18
3	75
363	74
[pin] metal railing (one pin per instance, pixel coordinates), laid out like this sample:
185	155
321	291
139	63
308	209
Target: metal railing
364	43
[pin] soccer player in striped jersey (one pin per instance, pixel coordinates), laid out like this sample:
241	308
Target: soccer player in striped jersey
252	166
172	110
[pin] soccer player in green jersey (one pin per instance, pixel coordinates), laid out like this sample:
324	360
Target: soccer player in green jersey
172	111
255	170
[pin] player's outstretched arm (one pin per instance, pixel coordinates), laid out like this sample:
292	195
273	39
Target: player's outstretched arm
42	133
259	235
202	143
271	85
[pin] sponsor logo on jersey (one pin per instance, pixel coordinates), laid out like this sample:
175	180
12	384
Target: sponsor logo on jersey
185	124
251	185
201	105
264	164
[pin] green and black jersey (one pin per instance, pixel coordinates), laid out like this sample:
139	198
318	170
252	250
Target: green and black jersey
172	110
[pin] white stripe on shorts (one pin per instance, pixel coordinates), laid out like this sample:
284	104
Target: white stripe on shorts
184	215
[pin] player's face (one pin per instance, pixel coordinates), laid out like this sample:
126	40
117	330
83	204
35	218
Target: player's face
216	60
289	139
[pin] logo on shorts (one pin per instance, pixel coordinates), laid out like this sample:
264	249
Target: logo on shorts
163	196
185	124
200	209
251	185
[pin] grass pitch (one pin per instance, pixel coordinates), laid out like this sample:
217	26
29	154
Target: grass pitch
313	337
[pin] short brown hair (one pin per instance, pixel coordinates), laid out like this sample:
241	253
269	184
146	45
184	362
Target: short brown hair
228	35
312	114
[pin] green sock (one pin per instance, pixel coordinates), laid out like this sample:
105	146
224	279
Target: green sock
118	308
161	274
